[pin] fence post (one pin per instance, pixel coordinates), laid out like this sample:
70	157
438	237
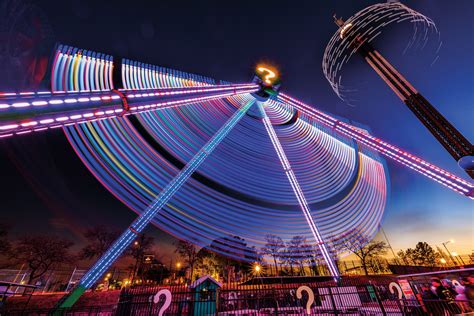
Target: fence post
379	300
336	312
276	301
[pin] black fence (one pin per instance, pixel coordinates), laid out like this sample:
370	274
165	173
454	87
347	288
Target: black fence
318	298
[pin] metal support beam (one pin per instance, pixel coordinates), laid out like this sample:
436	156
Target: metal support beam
299	194
127	237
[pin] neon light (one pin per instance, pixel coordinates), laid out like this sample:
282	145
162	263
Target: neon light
417	164
298	192
144	219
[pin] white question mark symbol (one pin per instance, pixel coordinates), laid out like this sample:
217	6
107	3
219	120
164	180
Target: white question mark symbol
392	286
270	74
166	305
456	283
310	302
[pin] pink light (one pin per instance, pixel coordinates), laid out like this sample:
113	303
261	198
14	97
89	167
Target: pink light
32	123
10	126
415	163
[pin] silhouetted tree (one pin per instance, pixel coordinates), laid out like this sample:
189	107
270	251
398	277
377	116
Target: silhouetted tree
5	245
41	253
137	251
188	252
423	254
4	242
300	251
367	251
156	271
272	248
99	239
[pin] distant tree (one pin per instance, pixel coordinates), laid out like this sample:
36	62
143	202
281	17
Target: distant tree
300	251
273	247
156	271
422	255
4	242
189	253
230	256
287	259
405	256
99	239
210	263
367	251
41	253
142	245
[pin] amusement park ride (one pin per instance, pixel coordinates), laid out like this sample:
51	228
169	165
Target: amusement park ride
204	159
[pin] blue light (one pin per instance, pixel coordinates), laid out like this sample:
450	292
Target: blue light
144	219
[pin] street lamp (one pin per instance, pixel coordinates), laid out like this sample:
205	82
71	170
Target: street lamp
455	255
447	250
442	260
258	268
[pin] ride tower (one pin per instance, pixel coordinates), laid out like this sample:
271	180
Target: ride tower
447	135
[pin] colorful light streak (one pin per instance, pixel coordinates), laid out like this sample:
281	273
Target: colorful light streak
370	23
117	248
21	113
413	162
299	193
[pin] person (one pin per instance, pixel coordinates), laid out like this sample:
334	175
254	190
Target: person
447	296
429	299
469	289
461	298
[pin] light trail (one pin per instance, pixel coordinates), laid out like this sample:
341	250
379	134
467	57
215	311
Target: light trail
413	162
118	247
299	193
27	112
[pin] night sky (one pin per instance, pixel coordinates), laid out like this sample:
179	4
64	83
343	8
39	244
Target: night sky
46	189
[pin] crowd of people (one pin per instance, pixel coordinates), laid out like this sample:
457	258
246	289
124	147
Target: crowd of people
449	296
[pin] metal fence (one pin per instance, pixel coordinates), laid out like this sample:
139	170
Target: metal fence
322	298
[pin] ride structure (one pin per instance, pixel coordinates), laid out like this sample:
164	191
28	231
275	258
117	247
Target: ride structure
207	161
356	36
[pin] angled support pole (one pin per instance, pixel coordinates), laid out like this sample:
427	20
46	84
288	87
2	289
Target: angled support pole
299	194
139	224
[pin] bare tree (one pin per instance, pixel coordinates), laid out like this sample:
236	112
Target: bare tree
189	253
300	251
367	251
41	253
273	248
99	238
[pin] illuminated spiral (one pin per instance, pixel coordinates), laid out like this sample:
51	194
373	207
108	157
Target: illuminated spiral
241	190
369	24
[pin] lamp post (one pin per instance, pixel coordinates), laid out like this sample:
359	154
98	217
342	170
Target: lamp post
178	269
455	255
447	250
